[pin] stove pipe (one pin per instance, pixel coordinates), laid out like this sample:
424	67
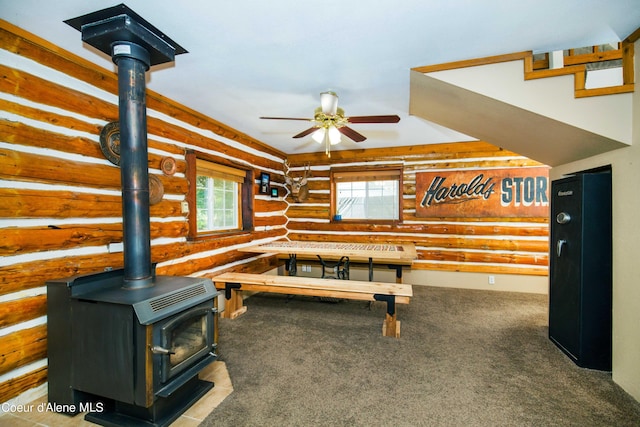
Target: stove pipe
134	46
133	61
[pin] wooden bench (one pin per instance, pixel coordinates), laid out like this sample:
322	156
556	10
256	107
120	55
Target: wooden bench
392	293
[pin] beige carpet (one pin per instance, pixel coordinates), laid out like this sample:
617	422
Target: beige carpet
465	358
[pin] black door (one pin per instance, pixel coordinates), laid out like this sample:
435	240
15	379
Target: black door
580	290
565	264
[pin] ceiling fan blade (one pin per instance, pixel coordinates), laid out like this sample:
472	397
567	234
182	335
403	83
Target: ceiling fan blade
286	118
329	103
305	132
350	133
374	119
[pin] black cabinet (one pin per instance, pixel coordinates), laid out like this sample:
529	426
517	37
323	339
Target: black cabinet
580	284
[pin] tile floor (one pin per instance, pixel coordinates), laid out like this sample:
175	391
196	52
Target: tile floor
216	372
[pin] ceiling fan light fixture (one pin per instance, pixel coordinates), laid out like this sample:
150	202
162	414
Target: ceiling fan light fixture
330	123
329	103
318	136
334	135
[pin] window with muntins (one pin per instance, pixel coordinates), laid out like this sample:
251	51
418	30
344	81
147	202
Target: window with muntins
218	198
217	203
367	195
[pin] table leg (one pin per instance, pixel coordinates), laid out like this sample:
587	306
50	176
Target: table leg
398	269
292	265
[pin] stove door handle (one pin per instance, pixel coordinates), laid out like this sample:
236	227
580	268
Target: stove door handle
156	349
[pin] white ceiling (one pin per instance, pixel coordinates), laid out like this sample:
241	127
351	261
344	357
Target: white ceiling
252	58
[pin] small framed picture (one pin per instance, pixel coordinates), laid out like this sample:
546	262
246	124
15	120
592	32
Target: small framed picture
274	191
264	183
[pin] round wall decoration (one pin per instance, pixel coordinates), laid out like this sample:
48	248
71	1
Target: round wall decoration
168	166
156	190
110	142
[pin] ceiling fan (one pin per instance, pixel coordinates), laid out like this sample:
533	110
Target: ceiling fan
330	122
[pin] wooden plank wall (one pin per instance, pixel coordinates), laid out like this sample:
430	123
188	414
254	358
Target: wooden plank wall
60	199
488	245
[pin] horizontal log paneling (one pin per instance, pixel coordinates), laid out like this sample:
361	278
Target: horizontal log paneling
21	310
33	274
29	136
36	89
49	117
409	215
269	221
60	201
485	244
22	347
427	228
308	211
38	239
488	257
479	149
312	199
23	134
272	205
15	386
261	265
481	268
18	41
452	241
21	203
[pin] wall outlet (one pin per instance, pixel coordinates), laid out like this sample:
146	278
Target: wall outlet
492	280
185	207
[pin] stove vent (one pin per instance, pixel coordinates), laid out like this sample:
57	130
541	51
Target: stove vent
189	292
166	301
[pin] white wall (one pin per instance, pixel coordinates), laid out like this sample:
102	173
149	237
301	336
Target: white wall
501	282
625	164
504	81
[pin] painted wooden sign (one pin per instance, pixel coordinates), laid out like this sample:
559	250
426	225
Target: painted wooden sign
513	192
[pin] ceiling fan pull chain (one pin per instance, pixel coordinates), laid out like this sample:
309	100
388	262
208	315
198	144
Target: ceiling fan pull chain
327	144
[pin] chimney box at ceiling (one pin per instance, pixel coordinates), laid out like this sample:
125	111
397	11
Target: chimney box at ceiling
119	23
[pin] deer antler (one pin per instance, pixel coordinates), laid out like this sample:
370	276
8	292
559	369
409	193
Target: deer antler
285	168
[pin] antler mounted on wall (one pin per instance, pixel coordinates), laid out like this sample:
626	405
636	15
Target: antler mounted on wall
297	186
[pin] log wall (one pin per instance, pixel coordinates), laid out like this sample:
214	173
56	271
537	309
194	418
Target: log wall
494	245
60	199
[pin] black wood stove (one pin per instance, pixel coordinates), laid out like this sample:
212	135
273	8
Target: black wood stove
132	357
125	344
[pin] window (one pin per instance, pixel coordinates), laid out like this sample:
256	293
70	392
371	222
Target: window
219	201
367	194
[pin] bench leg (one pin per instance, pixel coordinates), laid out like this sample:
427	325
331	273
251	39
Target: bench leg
391	326
233	302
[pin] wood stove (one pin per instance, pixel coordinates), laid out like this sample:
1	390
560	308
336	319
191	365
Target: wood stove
125	344
134	355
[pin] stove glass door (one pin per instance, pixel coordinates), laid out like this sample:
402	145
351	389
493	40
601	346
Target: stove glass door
188	337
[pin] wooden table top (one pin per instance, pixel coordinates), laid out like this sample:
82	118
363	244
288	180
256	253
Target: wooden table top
388	253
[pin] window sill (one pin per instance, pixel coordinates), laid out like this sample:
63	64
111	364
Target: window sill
216	235
367	221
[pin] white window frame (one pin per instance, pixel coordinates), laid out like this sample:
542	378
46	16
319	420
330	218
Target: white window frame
230	177
364	178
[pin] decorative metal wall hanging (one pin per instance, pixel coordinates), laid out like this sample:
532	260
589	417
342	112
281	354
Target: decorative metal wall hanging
156	190
110	142
168	166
